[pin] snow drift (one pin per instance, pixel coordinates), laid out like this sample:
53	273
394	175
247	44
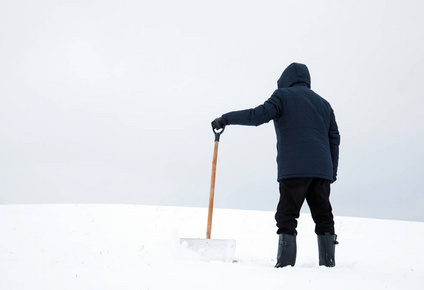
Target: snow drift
137	247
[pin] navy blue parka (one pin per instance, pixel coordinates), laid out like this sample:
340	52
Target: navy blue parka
307	134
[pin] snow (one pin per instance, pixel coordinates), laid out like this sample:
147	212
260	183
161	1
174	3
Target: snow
137	247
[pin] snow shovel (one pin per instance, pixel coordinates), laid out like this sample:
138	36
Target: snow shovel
212	249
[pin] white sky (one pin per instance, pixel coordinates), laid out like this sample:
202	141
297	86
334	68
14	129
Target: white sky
111	101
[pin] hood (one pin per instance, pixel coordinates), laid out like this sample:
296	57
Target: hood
294	74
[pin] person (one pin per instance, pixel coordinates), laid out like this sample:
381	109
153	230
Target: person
308	142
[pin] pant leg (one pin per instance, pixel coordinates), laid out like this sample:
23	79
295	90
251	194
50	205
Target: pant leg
292	195
318	199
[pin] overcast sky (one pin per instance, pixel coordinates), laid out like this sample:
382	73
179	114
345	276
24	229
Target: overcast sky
111	101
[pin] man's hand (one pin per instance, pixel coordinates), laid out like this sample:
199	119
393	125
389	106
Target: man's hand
217	124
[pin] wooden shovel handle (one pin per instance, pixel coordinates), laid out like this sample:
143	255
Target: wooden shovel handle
212	190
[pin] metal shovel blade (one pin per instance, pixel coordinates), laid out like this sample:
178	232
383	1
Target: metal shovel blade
211	249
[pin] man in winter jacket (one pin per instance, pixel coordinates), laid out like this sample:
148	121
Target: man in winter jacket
308	152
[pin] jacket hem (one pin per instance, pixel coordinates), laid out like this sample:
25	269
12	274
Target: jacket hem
304	175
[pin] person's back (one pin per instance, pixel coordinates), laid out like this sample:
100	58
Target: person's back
308	152
303	128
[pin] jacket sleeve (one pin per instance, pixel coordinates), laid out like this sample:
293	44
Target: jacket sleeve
334	137
264	113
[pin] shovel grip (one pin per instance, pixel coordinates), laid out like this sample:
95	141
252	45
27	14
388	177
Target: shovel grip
218	133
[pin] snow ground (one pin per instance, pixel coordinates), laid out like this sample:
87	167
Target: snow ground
137	247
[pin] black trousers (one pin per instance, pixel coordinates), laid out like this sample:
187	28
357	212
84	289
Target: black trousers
293	192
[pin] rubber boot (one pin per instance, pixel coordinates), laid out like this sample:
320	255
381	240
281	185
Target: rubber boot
326	247
286	251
